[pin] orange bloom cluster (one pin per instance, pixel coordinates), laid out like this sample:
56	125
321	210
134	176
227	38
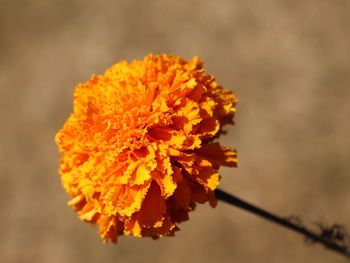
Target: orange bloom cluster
138	150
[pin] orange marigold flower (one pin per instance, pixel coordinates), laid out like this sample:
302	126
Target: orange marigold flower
138	150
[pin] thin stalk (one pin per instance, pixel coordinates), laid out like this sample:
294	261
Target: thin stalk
336	241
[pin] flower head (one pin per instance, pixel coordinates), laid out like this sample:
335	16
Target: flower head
138	150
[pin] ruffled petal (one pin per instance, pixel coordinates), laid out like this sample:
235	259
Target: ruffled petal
137	149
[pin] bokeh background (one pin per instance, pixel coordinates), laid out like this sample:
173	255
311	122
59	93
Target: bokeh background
287	61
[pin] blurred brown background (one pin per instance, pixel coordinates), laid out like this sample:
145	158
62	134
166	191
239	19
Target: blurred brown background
287	61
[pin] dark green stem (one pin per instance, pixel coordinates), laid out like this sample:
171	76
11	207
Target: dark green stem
336	241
